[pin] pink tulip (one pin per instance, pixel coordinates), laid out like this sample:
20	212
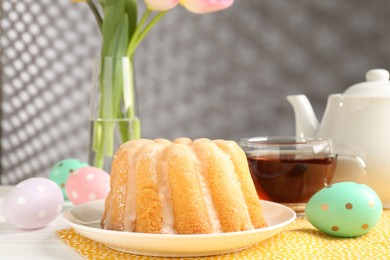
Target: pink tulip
161	5
206	6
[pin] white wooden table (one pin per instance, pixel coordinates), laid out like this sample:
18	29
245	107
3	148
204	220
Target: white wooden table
36	244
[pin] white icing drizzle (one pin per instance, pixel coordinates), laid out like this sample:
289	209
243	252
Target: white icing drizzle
132	148
165	199
108	220
130	207
233	176
211	211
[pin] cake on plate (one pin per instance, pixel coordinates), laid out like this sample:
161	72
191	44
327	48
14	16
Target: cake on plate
181	187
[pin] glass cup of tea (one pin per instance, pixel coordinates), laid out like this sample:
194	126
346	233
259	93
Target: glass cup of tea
289	170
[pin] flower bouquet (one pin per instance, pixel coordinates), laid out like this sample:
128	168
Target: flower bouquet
122	32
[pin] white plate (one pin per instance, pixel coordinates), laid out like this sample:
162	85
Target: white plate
85	219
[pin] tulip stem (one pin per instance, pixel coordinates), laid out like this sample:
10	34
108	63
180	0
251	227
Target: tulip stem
96	13
148	27
130	49
140	34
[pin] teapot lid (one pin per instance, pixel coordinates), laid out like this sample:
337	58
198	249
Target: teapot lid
377	84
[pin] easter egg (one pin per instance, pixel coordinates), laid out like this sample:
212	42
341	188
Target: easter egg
87	184
345	209
33	203
61	171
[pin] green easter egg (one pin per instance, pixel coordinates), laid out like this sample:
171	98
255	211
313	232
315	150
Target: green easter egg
345	209
61	171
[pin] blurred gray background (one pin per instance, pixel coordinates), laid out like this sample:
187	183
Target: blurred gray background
222	75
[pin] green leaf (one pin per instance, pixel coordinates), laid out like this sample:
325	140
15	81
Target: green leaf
113	13
114	10
116	51
120	48
131	10
118	43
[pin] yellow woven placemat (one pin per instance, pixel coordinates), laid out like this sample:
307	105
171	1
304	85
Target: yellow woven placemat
300	240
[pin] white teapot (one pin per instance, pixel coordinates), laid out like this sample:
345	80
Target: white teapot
358	122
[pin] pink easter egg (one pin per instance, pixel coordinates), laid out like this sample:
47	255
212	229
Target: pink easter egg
33	203
87	184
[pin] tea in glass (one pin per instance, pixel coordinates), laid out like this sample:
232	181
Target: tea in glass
287	170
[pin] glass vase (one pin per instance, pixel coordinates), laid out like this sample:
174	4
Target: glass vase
114	118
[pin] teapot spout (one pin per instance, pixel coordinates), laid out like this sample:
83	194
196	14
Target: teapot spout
306	123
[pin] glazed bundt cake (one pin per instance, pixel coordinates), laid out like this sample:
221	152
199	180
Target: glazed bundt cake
181	187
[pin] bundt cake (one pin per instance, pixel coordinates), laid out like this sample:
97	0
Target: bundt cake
181	187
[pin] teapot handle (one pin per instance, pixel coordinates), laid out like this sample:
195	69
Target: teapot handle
349	168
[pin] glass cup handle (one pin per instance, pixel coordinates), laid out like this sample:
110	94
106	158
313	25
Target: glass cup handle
349	168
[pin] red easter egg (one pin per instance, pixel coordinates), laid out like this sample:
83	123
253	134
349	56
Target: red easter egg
87	184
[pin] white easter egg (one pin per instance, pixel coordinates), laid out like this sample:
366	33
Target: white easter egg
33	203
87	184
